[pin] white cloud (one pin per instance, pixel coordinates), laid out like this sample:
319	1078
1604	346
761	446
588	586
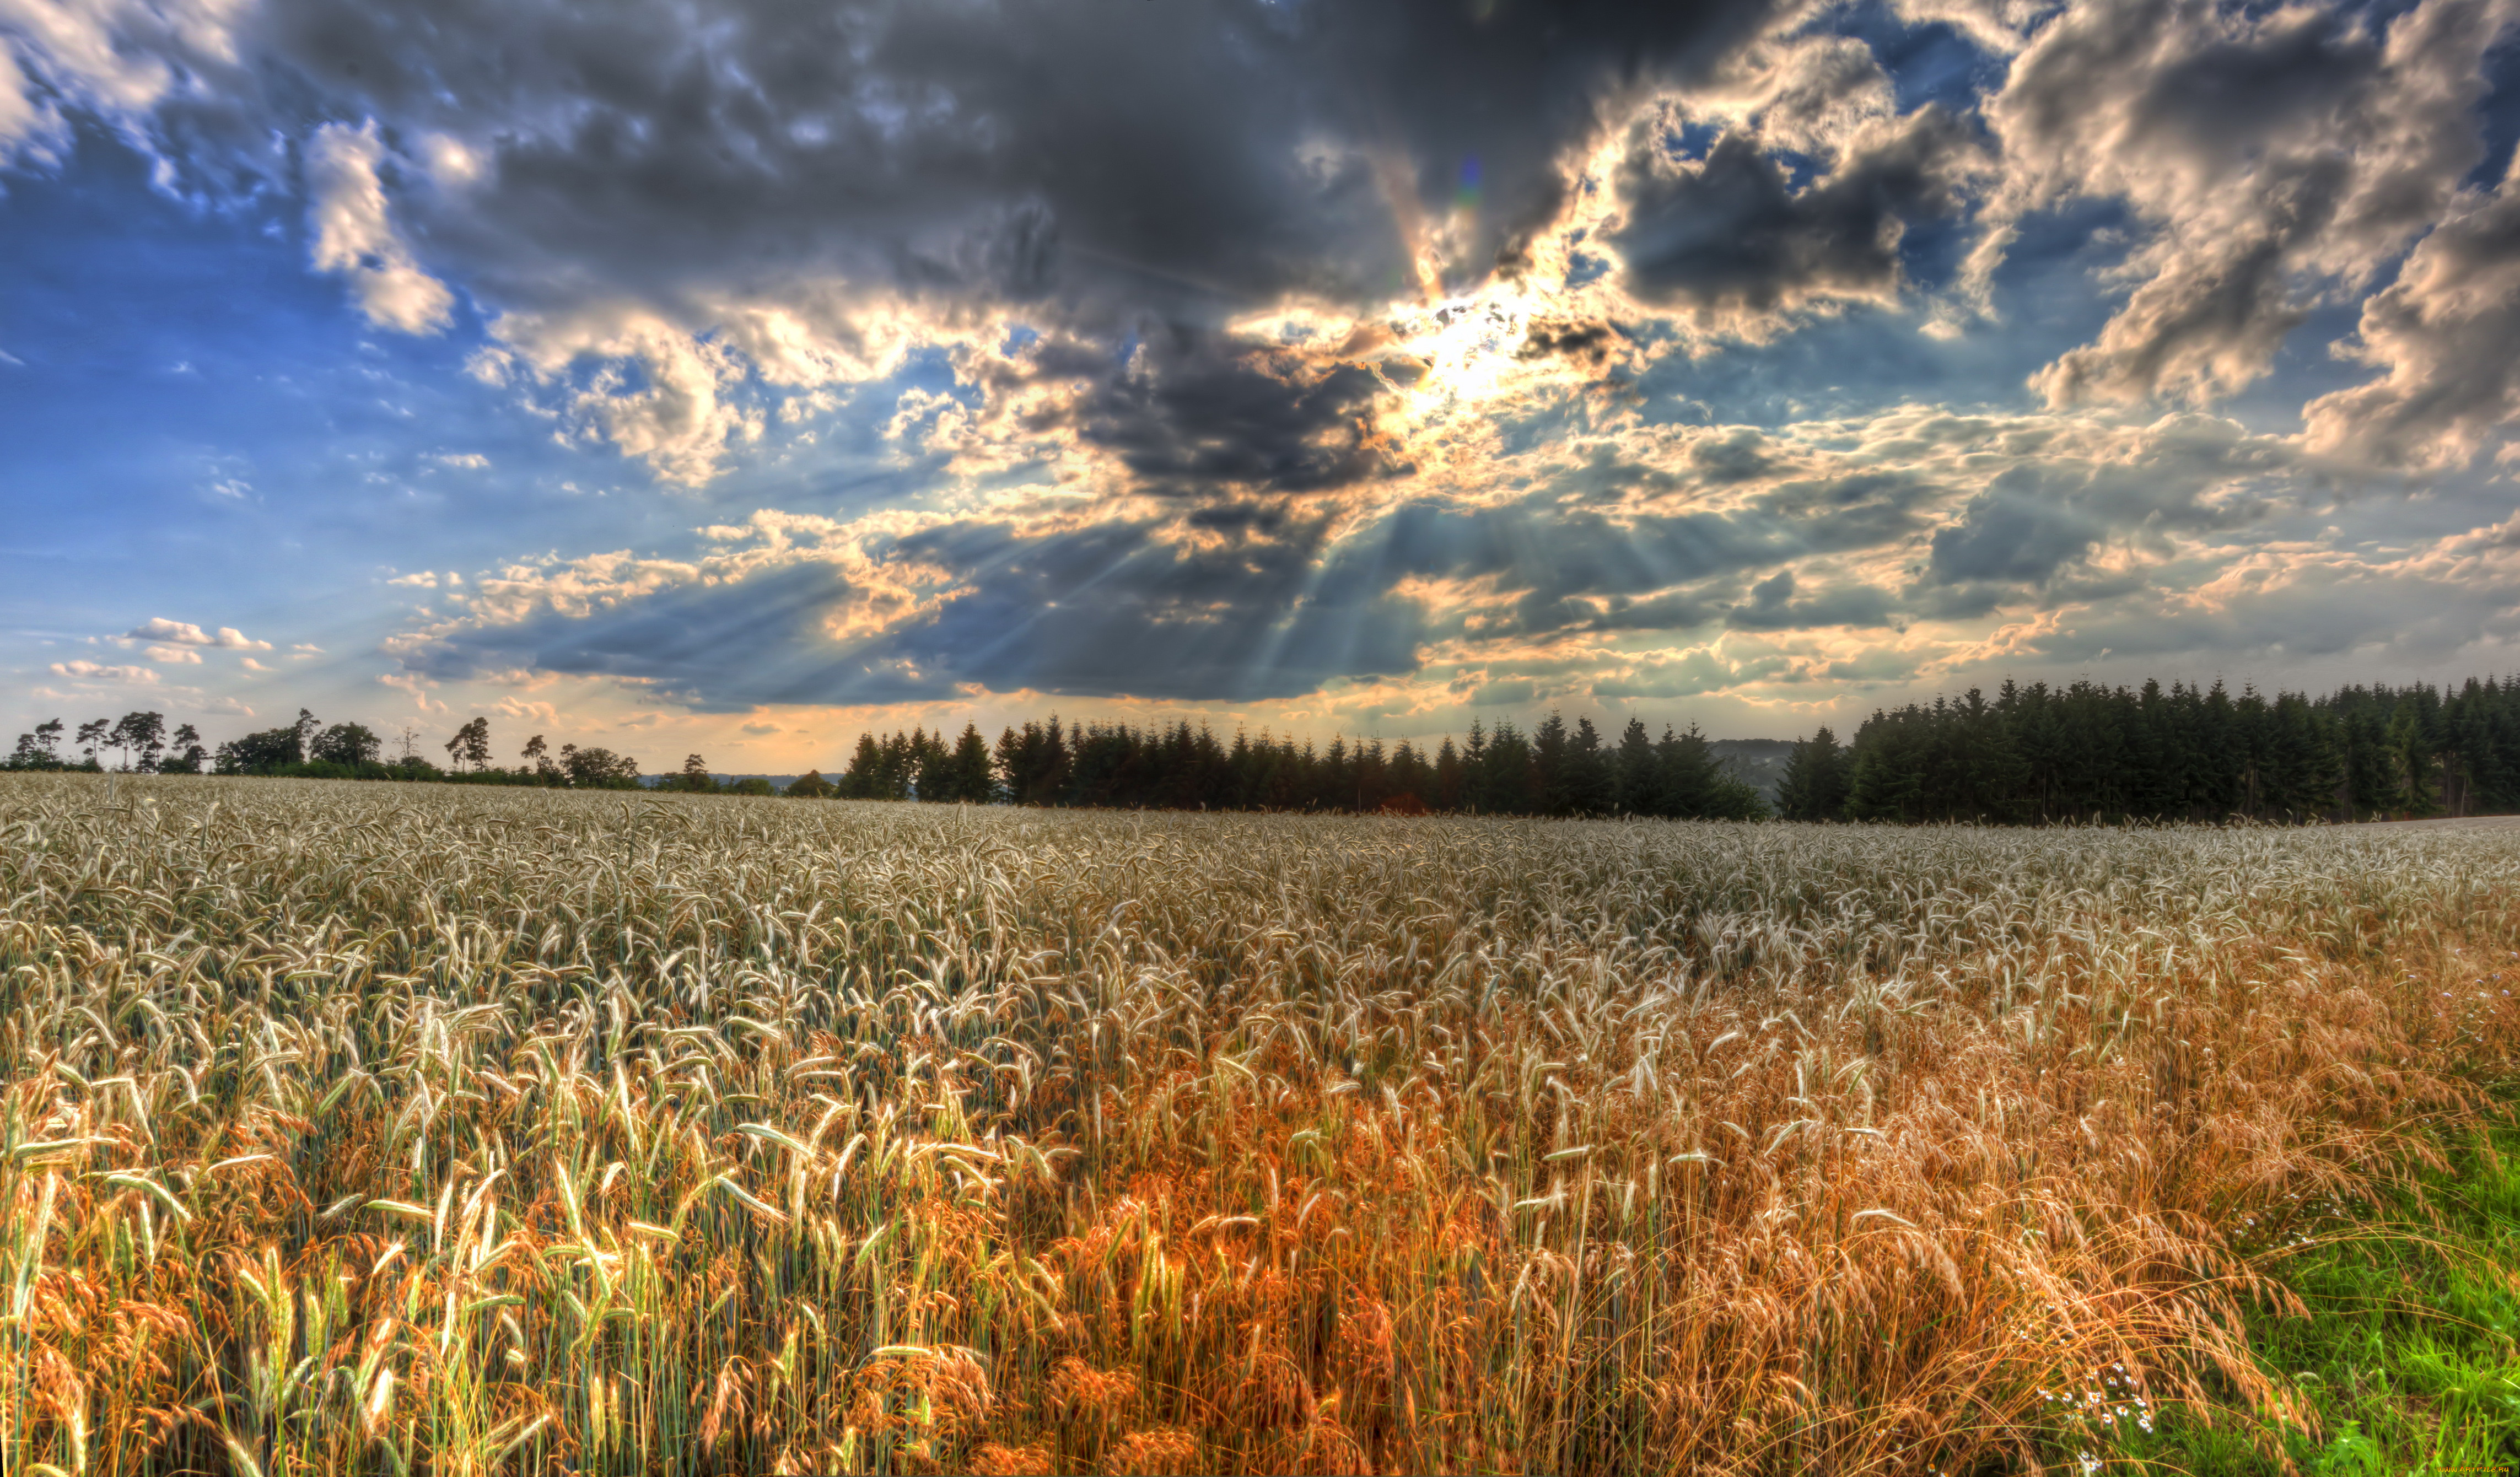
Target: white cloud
252	665
89	671
116	60
425	579
462	460
527	711
185	634
419	689
355	234
176	654
2280	157
680	420
2445	333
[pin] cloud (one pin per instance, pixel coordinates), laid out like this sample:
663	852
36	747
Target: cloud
759	197
417	688
1105	608
1196	411
2297	603
114	60
1771	606
1689	673
177	655
185	634
662	394
2011	534
1729	238
1379	353
2444	334
760	202
89	671
354	236
1910	534
2275	156
526	711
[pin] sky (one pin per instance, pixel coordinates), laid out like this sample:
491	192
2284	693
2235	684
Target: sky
733	376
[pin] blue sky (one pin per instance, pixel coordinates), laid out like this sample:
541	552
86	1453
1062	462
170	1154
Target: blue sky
731	378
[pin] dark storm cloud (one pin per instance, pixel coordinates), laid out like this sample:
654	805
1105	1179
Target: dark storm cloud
2033	519
2010	534
1730	231
1771	606
1183	153
1588	344
1195	410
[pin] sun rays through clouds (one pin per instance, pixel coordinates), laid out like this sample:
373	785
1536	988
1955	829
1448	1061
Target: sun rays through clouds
1358	365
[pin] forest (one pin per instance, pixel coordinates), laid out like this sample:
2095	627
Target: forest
2038	754
2032	754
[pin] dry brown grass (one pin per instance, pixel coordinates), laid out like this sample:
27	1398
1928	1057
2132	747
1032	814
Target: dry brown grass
509	1131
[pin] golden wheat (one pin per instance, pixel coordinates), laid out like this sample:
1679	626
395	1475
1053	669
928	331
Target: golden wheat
349	1128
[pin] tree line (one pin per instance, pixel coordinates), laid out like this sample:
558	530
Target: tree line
2036	755
1554	769
2033	754
308	748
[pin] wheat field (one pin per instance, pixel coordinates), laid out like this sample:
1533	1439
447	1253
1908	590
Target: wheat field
361	1129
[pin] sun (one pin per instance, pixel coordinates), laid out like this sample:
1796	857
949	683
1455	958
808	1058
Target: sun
1468	345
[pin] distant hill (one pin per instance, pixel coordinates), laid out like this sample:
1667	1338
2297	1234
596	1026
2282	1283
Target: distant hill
1759	763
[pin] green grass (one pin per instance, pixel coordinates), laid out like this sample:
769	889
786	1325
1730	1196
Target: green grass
2405	1355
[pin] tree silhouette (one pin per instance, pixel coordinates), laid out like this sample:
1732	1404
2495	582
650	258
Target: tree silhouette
1814	786
139	735
39	750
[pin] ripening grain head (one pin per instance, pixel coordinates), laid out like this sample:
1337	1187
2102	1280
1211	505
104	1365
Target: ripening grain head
532	1130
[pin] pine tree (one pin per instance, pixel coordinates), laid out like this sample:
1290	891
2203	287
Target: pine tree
1814	786
972	781
1590	786
1637	772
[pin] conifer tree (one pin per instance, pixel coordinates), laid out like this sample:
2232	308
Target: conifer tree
1814	786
